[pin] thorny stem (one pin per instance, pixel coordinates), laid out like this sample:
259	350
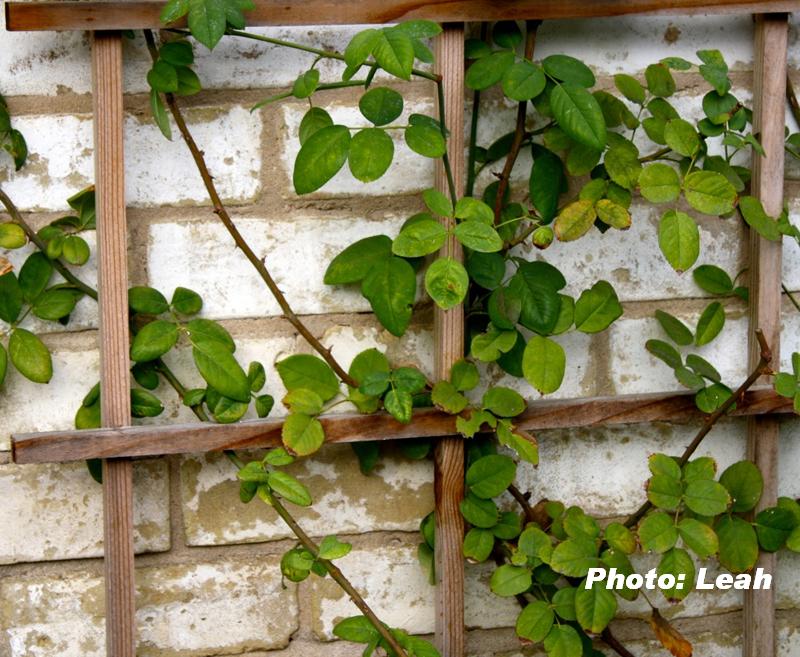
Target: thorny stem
335	573
612	642
59	266
451	185
473	127
791	297
519	131
222	213
761	368
519	496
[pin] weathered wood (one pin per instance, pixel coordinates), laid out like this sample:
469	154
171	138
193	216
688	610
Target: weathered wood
148	441
448	335
56	15
112	258
771	34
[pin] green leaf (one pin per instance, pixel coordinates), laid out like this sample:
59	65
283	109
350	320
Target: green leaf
738	544
681	137
34	275
677	331
661	464
659	183
303	400
657	532
619	537
381	105
425	140
390	287
207	21
220	370
630	87
163	77
356	629
206	330
773	527
712	397
706	498
331	548
597	308
503	402
563	603
546	181
302	434
709	192
679	239
56	303
478	544
309	372
29	355
10	298
758	220
486	71
712	279
17	148
371	153
575	220
11	235
264	404
306	83
488	346
394	52
420	238
534	543
186	301
579	115
154	340
664	492
160	115
289	488
439	204
3	363
188	82
361	47
665	352
173	10
510	580
355	262
177	53
446	397
523	80
543	364
446	281
677	562
478	236
745	484
314	120
574	556
659	80
479	512
710	323
535	621
509	526
714	70
703	367
568	69
595	607
148	300
464	375
612	214
320	158
622	164
399	404
698	537
490	475
563	641
145	404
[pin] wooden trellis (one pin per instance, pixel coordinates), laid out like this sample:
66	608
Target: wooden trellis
118	442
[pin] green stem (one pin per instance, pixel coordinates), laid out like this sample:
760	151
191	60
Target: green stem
221	211
794	301
162	368
448	170
473	128
657	155
59	266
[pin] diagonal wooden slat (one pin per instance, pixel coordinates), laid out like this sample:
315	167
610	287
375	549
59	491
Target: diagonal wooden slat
448	332
57	15
771	40
145	441
112	256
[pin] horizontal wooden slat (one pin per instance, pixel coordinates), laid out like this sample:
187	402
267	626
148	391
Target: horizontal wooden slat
140	441
56	15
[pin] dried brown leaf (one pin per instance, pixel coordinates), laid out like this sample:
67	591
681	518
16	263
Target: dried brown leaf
670	638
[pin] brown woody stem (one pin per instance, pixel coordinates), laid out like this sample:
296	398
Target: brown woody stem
222	213
519	131
60	267
761	368
791	96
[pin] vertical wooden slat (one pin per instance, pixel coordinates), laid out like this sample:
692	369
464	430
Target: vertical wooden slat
449	346
114	366
771	32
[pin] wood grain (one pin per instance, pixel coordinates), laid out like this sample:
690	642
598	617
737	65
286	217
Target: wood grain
448	335
112	258
771	35
56	15
148	441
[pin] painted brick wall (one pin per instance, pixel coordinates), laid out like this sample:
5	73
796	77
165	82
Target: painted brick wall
208	582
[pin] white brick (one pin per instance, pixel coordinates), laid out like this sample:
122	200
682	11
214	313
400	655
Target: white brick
61	161
409	172
203	256
180	610
401	596
28	407
52	511
393	498
635	370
